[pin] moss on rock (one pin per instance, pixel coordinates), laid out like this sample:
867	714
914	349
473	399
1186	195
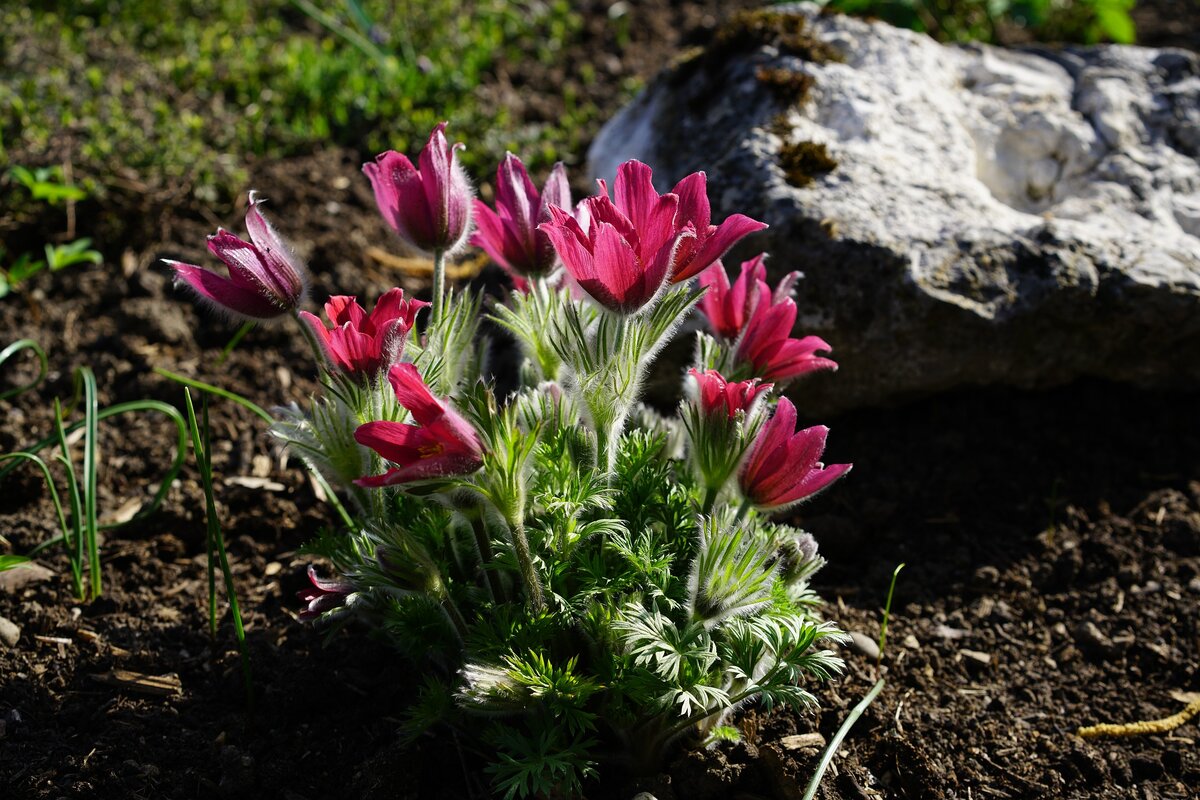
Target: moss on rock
804	162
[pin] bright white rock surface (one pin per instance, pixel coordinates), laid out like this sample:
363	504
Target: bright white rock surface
996	216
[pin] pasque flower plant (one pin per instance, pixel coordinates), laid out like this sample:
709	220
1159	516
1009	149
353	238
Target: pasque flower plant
587	583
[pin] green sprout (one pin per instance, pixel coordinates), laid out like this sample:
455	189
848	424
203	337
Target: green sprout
79	528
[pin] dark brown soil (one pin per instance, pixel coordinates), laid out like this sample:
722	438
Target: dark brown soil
1052	544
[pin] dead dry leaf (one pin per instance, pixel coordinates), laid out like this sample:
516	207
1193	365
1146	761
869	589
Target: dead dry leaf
157	685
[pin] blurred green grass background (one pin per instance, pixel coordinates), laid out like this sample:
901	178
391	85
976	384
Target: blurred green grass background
167	104
174	97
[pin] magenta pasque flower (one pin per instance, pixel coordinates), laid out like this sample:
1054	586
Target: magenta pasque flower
711	242
720	397
441	444
623	257
784	465
265	279
728	308
360	343
510	235
429	207
768	346
323	596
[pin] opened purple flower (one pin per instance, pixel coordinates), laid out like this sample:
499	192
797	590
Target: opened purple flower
723	398
727	307
767	344
265	279
441	444
623	256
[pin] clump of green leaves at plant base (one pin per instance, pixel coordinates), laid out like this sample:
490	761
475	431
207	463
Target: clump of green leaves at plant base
173	96
1086	21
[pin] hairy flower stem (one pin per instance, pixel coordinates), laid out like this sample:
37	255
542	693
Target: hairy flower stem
439	285
608	402
533	585
543	296
315	346
710	499
456	618
743	510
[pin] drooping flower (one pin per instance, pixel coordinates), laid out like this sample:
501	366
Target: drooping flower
720	397
265	281
364	344
325	595
711	242
624	255
510	235
429	207
768	347
441	444
729	308
784	465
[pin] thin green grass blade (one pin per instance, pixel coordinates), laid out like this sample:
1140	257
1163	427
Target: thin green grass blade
122	408
201	444
832	749
54	498
204	466
74	542
887	612
244	402
8	562
233	342
353	37
333	500
90	444
43	366
217	390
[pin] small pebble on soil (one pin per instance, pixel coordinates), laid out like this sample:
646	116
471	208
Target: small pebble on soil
10	632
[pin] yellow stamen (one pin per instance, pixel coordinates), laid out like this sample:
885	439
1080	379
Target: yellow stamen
430	450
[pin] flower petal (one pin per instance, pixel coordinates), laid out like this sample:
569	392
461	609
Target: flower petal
717	242
414	395
492	236
571	243
693	201
281	270
556	192
223	294
517	198
400	195
398	442
341	309
814	482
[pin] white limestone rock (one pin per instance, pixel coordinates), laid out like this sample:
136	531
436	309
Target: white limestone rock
996	216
